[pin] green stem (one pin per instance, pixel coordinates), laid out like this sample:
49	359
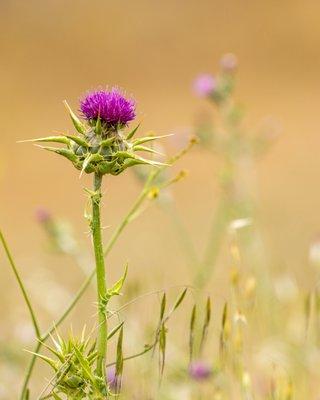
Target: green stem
29	371
31	311
101	275
22	288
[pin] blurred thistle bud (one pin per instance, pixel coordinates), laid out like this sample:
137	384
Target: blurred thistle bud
217	88
112	378
229	63
204	85
199	371
42	215
100	145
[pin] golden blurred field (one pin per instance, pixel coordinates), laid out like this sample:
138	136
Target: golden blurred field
56	50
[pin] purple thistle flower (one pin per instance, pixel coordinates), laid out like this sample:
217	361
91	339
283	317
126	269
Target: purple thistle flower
199	371
111	106
204	85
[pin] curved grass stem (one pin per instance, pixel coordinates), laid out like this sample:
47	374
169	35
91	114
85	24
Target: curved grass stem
22	287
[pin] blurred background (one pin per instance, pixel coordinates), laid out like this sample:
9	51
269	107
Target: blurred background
56	50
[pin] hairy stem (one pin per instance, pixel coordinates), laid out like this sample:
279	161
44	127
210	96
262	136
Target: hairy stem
101	275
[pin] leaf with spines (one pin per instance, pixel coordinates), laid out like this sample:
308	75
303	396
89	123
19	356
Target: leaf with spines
89	159
80	127
62	152
135	160
124	154
85	365
48	139
53	351
78	140
98	127
116	288
107	142
48	360
133	132
148	139
147	150
106	167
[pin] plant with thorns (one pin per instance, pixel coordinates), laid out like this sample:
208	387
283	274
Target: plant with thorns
99	147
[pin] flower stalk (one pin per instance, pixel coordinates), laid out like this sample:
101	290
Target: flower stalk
100	273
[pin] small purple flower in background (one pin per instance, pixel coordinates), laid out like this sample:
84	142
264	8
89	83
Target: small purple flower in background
112	107
112	378
229	62
42	215
199	370
204	85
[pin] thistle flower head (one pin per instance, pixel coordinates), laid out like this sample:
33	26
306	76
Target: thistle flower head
199	370
204	85
100	144
112	107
